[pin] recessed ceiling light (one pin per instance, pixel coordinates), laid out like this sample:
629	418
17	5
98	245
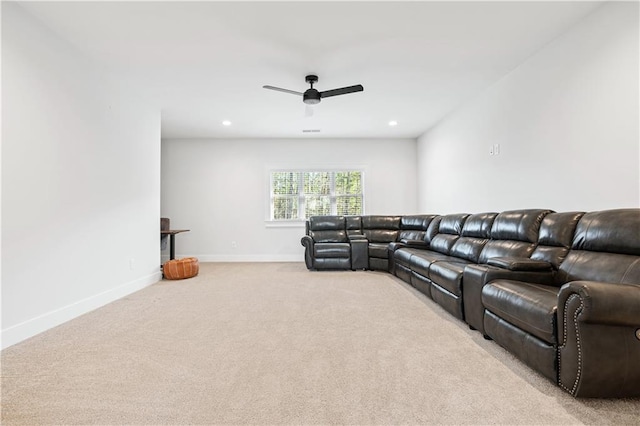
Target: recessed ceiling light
393	123
226	123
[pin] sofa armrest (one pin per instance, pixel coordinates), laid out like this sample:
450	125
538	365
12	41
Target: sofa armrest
475	277
415	243
391	248
599	339
357	237
307	243
359	252
519	264
604	303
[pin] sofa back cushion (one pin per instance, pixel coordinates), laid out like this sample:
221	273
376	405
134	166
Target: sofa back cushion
518	225
414	227
479	225
328	229
556	236
448	232
452	223
505	248
354	225
599	266
475	234
605	247
381	229
612	231
432	229
514	233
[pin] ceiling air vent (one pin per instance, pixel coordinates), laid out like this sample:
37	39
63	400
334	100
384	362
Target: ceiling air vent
311	131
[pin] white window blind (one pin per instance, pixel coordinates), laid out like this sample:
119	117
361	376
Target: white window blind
297	195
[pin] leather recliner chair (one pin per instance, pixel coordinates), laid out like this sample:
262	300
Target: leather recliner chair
326	243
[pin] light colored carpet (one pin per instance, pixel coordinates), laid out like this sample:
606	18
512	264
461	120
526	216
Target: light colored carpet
272	343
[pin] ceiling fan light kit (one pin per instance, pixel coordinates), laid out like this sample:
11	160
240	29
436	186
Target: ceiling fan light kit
312	96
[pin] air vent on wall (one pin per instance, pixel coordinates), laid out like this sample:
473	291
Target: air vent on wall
311	131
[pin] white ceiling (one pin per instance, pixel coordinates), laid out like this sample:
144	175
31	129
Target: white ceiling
205	62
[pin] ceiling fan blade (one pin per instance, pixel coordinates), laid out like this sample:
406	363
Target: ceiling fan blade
293	92
342	91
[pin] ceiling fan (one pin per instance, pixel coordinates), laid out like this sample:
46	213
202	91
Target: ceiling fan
312	96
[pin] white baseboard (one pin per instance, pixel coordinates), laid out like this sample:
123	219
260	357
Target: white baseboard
37	325
243	257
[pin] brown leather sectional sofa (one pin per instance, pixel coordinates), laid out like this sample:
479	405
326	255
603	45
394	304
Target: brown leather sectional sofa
561	291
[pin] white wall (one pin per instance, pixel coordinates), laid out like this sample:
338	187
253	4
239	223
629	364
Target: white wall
566	121
80	183
220	190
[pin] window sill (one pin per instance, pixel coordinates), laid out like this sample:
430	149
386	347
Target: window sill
284	223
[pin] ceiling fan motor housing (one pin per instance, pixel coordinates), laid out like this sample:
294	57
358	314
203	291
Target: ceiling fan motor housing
311	97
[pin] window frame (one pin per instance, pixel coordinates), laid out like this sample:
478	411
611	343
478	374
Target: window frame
301	219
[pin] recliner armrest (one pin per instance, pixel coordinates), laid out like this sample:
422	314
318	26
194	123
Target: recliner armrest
307	243
599	339
415	243
359	252
519	264
603	303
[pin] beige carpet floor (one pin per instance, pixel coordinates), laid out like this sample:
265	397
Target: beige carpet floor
272	343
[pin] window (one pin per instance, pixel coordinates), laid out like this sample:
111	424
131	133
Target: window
297	195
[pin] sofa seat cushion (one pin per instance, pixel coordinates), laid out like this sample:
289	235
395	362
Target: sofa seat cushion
448	275
402	256
422	259
332	250
379	250
531	307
